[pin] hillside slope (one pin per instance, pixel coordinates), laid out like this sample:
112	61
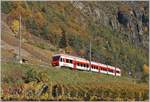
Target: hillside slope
118	31
33	82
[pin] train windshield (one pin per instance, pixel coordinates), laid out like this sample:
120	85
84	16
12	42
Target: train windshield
56	58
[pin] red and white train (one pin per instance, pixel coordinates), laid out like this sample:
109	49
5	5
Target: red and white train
64	60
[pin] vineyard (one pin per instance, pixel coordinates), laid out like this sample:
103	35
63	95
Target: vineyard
32	82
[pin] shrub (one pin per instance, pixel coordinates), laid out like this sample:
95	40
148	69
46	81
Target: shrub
7	6
32	26
43	76
30	75
44	32
145	78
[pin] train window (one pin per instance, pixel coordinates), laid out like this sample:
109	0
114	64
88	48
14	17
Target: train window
117	71
56	58
87	65
61	59
96	67
84	65
110	70
78	64
70	61
67	60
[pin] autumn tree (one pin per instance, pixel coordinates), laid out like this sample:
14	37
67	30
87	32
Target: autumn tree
15	26
68	50
63	40
145	76
145	69
6	7
81	52
40	20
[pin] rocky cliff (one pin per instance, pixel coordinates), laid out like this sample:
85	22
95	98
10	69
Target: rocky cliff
131	19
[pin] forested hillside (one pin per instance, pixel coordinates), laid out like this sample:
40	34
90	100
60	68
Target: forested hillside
118	31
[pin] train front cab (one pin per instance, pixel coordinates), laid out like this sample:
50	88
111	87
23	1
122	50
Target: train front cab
62	61
55	61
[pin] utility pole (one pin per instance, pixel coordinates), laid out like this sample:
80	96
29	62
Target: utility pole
20	59
90	54
115	71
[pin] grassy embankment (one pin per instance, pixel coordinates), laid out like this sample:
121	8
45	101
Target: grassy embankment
25	82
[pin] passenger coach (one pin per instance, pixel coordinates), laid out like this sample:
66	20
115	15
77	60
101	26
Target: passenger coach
64	60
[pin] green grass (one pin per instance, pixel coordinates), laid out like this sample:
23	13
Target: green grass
65	75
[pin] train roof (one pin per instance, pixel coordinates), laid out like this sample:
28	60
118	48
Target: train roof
92	62
66	55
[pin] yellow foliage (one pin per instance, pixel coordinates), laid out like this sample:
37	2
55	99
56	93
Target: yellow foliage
39	19
145	68
68	50
44	76
15	25
44	96
55	28
75	27
20	11
60	7
82	52
125	8
38	86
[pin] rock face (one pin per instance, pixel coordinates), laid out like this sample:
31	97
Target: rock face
128	18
